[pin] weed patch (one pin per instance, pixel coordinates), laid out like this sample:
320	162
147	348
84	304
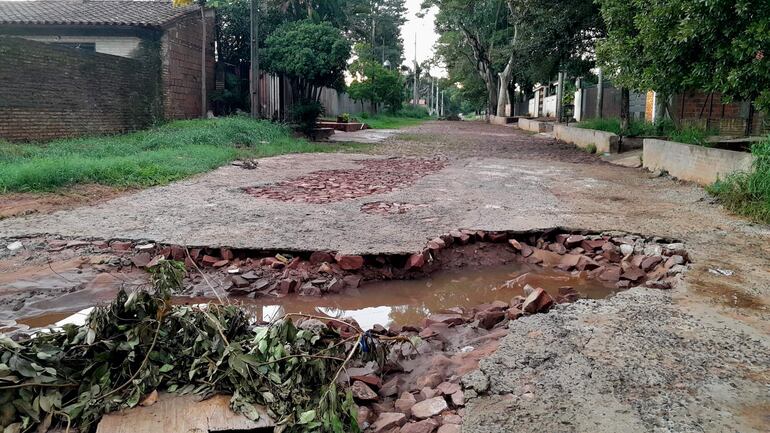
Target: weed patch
692	135
636	128
748	194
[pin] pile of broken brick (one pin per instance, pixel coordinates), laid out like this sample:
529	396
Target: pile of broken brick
377	176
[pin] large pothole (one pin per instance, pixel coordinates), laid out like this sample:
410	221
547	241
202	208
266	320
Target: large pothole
49	279
448	304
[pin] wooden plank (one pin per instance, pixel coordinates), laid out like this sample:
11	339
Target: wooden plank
183	414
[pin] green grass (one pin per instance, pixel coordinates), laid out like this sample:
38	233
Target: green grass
405	117
748	194
152	157
607	125
692	135
636	128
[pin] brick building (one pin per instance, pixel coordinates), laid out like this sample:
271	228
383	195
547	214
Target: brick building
153	35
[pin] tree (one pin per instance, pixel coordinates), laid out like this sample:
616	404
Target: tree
330	11
311	55
480	31
377	84
376	26
512	42
677	45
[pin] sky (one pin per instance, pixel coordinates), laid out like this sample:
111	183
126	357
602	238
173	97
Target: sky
426	35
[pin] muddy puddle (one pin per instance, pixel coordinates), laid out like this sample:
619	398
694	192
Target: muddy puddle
398	302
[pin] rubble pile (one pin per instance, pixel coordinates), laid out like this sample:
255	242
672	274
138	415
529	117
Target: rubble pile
418	390
377	176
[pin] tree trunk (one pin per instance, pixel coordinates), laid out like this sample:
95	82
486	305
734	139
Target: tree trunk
502	94
625	101
483	68
505	76
491	84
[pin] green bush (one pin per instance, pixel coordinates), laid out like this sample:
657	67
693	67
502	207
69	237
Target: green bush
748	193
306	115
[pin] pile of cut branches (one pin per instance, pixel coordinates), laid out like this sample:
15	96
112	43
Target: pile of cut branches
141	343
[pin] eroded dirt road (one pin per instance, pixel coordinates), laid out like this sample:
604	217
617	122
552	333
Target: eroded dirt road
696	358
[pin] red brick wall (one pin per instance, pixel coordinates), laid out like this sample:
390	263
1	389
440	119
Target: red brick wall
181	54
705	110
49	91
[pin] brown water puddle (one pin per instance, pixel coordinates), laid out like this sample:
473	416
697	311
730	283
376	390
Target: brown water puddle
44	294
398	302
408	302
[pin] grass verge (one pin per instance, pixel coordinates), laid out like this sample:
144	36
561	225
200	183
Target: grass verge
748	194
140	159
405	117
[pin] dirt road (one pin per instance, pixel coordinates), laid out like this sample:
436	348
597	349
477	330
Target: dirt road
696	358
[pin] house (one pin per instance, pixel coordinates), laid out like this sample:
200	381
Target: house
117	35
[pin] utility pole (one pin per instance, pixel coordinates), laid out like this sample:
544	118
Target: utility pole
600	95
560	98
414	86
430	96
435	100
254	82
442	104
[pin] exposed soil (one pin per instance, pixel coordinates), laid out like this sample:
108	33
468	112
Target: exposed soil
18	204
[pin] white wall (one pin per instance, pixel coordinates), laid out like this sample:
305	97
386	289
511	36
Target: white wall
578	105
116	45
549	106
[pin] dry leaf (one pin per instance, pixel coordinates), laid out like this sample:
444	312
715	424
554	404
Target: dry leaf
150	399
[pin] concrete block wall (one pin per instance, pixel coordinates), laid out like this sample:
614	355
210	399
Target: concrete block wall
699	164
51	91
181	68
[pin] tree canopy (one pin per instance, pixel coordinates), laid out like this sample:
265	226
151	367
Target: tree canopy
376	84
509	42
676	45
311	55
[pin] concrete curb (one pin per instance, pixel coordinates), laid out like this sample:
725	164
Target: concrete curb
605	142
703	165
535	125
